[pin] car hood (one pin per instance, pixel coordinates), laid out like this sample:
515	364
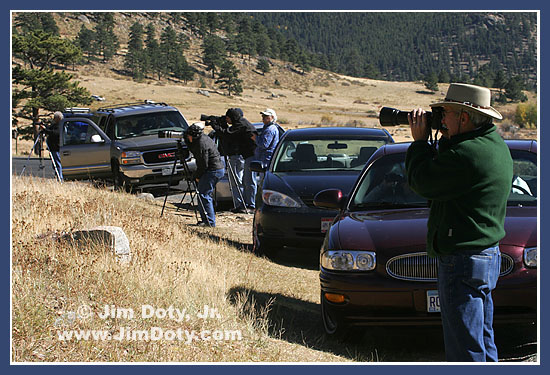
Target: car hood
307	184
148	142
406	229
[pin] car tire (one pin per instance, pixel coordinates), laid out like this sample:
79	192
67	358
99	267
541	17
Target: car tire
258	244
120	182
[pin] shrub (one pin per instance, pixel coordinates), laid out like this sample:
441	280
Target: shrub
526	115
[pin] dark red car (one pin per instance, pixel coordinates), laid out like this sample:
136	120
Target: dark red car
374	266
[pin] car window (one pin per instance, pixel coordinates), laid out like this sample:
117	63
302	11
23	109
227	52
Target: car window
77	132
524	182
324	154
385	184
148	124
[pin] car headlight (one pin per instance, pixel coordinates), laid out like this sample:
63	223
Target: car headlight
348	260
130	157
530	257
274	198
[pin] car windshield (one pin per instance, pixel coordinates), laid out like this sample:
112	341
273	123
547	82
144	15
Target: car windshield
324	154
149	124
385	184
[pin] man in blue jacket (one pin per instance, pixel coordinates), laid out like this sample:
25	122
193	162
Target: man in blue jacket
268	138
468	182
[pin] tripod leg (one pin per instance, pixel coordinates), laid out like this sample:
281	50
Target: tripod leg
30	153
169	184
232	172
230	177
54	164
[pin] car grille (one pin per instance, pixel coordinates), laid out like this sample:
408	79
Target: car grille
420	267
161	156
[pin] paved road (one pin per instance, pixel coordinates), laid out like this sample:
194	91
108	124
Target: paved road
43	168
32	167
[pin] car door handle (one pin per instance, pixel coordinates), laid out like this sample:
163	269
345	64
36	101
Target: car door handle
66	153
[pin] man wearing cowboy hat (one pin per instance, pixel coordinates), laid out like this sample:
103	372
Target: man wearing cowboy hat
467	182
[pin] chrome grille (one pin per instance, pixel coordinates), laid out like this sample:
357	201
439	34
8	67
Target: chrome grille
161	156
420	267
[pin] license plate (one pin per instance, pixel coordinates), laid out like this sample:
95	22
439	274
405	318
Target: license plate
167	171
432	296
325	223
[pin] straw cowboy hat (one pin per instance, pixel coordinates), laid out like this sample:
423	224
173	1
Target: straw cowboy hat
474	98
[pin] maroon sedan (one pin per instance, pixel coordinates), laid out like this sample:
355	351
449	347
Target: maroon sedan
374	266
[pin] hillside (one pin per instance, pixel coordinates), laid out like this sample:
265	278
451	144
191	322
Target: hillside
315	98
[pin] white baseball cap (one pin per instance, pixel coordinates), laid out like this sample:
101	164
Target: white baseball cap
269	112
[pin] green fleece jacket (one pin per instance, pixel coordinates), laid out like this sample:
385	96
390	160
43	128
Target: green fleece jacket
468	183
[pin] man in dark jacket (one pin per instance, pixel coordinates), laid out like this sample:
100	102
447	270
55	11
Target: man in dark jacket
468	183
239	140
53	134
209	171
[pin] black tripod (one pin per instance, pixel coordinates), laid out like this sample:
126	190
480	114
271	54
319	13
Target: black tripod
191	188
39	139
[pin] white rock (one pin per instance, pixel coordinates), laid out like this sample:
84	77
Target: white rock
111	236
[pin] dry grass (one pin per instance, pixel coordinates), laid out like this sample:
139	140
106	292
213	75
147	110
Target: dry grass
173	265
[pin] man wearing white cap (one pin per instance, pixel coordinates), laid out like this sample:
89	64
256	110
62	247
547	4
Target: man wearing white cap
467	181
268	138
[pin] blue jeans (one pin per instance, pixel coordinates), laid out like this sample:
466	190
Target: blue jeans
205	187
465	282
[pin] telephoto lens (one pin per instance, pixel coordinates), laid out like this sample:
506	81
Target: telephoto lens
391	117
170	134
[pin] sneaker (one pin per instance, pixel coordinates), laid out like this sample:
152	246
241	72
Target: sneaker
238	210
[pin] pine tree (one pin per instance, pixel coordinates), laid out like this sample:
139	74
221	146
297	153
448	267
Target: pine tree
513	89
134	59
263	66
229	78
85	40
105	37
31	22
36	85
184	70
169	49
431	82
213	53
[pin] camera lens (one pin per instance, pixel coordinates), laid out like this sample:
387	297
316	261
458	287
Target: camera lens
391	117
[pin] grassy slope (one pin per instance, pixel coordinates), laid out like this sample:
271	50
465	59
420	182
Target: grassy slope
173	265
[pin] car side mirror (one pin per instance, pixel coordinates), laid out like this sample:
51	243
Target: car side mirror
96	138
257	166
332	199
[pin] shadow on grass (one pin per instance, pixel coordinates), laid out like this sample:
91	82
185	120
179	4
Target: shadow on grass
299	322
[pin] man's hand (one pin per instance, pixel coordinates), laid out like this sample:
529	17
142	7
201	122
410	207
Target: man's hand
418	123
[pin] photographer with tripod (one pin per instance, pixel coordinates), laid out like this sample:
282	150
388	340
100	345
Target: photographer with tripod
53	134
209	171
238	142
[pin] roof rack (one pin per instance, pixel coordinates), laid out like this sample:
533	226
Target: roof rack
119	106
76	110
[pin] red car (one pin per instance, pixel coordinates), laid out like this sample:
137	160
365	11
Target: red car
374	266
